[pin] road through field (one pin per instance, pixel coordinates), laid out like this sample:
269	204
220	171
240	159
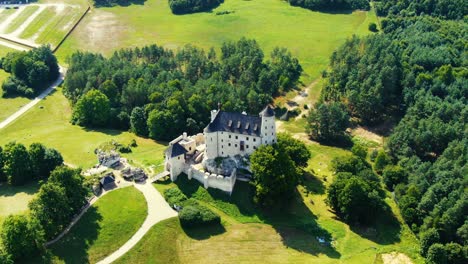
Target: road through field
36	100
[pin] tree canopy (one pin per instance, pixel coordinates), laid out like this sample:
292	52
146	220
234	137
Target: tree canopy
331	5
174	92
192	6
31	71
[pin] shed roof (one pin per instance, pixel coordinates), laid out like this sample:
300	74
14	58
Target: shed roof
107	180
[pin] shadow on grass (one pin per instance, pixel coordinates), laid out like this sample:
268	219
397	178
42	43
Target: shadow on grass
294	222
73	247
28	188
313	184
385	231
205	232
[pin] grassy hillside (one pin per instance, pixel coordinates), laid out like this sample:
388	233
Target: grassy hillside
49	123
105	227
311	36
250	236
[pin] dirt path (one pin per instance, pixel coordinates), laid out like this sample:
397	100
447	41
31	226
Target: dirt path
158	210
28	21
34	102
7	21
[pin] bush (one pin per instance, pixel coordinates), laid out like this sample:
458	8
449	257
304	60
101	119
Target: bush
174	196
373	27
197	215
192	6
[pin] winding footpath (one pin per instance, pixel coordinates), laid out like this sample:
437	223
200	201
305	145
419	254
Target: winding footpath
158	210
36	100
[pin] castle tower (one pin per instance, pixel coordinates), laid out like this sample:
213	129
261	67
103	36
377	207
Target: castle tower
268	125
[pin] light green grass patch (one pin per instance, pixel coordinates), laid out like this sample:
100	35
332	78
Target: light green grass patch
41	20
58	26
105	227
21	18
49	123
15	199
5	13
311	36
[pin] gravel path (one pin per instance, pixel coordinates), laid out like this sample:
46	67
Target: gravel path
34	102
158	210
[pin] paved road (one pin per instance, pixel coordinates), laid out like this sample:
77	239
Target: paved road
36	100
158	210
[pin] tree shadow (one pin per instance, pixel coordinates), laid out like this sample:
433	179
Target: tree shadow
385	230
123	3
294	222
109	132
73	247
313	184
8	190
204	232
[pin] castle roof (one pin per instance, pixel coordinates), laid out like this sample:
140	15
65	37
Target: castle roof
268	111
235	123
175	150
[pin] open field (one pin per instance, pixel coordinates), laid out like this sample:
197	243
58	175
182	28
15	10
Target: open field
49	123
250	236
311	36
106	226
46	22
9	105
15	200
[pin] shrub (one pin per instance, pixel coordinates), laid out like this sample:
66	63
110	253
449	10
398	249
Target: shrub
197	215
373	27
174	196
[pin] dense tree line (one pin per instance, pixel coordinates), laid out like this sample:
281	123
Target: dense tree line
450	9
192	6
159	93
415	71
19	165
51	210
331	5
108	3
31	71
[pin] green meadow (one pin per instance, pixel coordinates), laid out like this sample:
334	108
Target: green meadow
311	36
49	123
21	18
105	227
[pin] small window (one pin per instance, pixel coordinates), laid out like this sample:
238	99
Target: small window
255	147
255	139
271	127
247	138
222	146
222	140
178	158
272	134
237	137
265	127
229	144
229	136
190	148
235	145
222	153
211	139
247	146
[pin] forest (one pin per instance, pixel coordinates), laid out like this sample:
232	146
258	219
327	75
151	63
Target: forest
415	72
448	9
158	93
331	5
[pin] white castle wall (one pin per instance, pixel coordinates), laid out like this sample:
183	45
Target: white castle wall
213	180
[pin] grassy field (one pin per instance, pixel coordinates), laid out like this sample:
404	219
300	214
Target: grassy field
56	28
249	235
5	13
49	123
41	20
311	36
15	200
21	18
105	227
9	105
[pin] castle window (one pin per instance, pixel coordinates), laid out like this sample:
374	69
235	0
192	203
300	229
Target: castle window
242	145
222	146
247	138
222	153
222	140
265	127
190	148
255	139
229	144
247	146
271	127
237	137
235	145
178	158
229	136
272	134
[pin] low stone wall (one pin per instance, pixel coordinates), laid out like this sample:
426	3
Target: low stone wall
224	183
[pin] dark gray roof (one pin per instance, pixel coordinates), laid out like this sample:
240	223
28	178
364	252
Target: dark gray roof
175	150
106	180
235	123
268	111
